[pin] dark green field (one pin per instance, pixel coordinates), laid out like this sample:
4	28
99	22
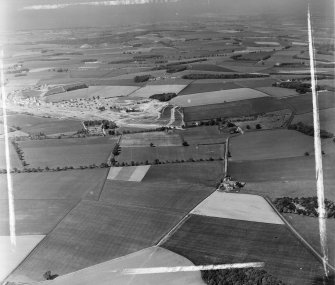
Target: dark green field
207	240
198	87
233	109
175	197
93	233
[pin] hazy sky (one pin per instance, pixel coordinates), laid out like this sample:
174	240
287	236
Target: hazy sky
34	14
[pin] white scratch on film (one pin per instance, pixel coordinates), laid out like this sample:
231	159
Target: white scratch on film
318	153
157	270
9	177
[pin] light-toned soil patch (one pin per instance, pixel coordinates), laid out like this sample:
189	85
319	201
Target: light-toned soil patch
150	90
132	173
217	97
268	43
269	144
11	256
238	207
147	258
14	158
157	138
93	91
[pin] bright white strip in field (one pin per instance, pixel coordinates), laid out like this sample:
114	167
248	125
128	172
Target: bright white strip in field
268	43
150	90
11	256
130	173
244	207
216	97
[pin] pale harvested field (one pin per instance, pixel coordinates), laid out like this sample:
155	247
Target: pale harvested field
327	119
12	256
150	90
146	258
238	207
95	232
92	91
278	92
131	173
157	138
270	144
14	159
217	97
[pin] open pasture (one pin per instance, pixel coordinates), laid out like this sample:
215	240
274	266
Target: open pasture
209	240
308	227
170	153
108	273
327	119
131	173
303	104
206	173
67	152
35	125
233	109
157	194
216	97
13	156
12	256
243	207
145	139
150	90
93	233
92	91
278	92
198	87
269	144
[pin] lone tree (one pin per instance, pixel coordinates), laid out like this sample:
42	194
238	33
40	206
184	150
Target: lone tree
185	143
48	276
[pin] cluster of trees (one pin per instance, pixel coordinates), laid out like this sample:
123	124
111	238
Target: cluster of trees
89	60
309	130
195	76
142	78
303	206
147	56
19	152
241	276
106	124
157	161
117	149
75	86
176	68
170	67
164	97
252	56
299	86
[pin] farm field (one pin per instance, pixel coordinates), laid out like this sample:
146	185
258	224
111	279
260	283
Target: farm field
174	197
283	169
10	257
199	87
35	125
278	92
67	185
303	104
150	90
233	109
209	67
145	258
256	83
170	153
14	158
92	91
67	152
243	207
202	135
216	97
93	233
145	139
327	119
130	173
34	216
220	241
270	144
206	173
308	227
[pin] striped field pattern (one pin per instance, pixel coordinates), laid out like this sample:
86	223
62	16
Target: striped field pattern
131	173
